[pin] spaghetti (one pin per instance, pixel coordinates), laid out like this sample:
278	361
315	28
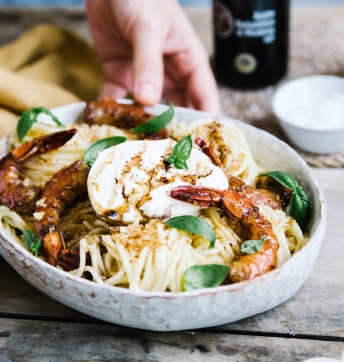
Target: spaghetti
149	256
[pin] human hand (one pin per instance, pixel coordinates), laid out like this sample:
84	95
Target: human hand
150	49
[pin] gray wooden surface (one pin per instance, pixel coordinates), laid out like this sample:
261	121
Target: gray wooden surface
34	327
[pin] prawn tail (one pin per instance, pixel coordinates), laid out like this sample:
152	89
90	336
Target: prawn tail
42	144
199	195
52	244
249	266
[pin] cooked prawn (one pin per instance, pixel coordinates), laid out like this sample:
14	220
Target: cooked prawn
107	111
250	225
60	191
256	196
270	184
264	195
13	193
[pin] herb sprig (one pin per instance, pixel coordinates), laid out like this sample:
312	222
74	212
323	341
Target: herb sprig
157	123
204	276
194	225
300	206
181	152
29	117
252	246
92	151
31	241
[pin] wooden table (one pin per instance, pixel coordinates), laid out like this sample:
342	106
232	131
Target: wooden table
34	327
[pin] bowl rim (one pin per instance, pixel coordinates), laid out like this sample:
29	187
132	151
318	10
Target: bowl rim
293	82
318	228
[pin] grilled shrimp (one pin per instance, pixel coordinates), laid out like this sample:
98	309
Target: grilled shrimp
60	191
265	195
250	225
270	184
13	193
107	111
256	196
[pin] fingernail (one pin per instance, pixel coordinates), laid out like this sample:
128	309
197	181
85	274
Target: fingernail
146	93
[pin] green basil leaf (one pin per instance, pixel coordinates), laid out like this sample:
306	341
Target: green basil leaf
300	207
157	123
194	225
171	159
31	241
252	246
181	152
204	276
180	164
29	117
92	151
284	178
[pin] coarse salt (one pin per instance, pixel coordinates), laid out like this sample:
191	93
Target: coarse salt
319	113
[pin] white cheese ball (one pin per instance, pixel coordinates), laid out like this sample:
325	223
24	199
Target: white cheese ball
132	181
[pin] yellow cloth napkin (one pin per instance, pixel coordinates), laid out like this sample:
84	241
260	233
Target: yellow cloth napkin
46	66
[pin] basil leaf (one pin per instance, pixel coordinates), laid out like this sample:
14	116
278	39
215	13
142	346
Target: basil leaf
92	151
180	164
204	276
31	241
29	117
157	123
252	246
284	178
194	225
300	207
181	152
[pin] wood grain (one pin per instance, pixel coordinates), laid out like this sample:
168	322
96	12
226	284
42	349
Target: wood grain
50	341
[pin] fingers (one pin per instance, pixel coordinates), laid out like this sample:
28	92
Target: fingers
148	69
149	46
190	78
202	90
113	90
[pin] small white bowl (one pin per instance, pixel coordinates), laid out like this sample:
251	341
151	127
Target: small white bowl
311	112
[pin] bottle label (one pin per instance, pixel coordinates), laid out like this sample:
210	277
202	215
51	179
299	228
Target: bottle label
245	63
262	25
223	20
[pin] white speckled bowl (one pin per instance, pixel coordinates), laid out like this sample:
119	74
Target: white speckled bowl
202	308
305	108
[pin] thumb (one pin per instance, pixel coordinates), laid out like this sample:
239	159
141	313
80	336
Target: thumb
148	69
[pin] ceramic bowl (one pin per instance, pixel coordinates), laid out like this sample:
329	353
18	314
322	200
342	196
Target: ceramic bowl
196	309
311	112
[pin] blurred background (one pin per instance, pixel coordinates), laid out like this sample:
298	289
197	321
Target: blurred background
187	3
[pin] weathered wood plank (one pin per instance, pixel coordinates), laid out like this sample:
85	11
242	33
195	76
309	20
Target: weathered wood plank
19	297
27	341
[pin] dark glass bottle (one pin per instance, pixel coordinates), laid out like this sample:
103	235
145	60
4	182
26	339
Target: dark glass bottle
251	42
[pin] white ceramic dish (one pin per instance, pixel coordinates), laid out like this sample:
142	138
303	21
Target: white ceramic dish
311	112
197	309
